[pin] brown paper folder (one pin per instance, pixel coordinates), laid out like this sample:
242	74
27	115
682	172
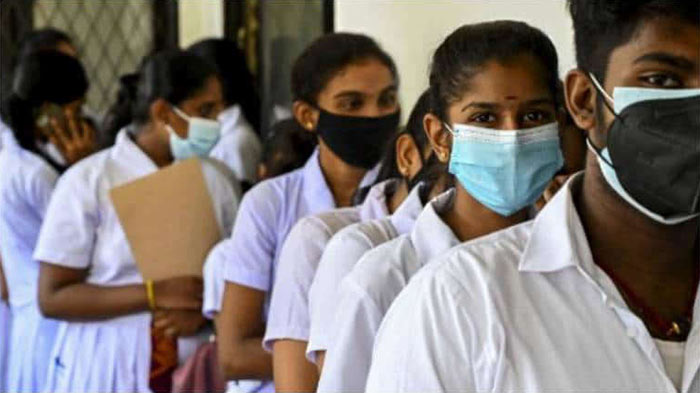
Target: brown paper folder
168	218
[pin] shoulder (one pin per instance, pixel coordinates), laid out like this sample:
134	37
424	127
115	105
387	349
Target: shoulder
269	196
367	234
322	226
382	269
87	171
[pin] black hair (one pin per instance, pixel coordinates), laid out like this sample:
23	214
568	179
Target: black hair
40	77
172	75
119	114
600	26
287	147
469	47
238	82
414	127
41	40
327	56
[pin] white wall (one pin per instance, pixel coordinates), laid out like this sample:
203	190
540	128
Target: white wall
199	19
411	30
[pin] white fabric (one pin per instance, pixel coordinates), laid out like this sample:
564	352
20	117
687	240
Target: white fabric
26	185
524	309
341	255
672	354
82	231
4	308
289	308
370	288
239	147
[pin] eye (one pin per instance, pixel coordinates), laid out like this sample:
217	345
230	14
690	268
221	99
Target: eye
663	81
388	100
205	110
536	117
350	104
484	117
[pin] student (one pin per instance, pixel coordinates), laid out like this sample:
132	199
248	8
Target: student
239	147
423	177
494	115
344	89
286	148
599	293
287	329
88	277
49	134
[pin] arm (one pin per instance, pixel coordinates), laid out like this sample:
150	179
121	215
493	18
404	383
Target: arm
4	293
293	373
64	294
239	331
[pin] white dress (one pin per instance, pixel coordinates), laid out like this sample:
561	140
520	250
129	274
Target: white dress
239	147
4	309
82	231
26	184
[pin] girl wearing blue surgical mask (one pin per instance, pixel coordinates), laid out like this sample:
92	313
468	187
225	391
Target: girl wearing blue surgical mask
495	123
117	333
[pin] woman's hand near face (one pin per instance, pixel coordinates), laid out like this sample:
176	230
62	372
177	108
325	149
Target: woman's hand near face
75	137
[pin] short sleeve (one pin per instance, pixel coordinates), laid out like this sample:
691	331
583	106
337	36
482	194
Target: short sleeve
214	283
349	353
67	236
223	189
341	255
289	308
40	187
250	251
423	343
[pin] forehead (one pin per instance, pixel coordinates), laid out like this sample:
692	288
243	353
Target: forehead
210	92
659	35
519	78
369	76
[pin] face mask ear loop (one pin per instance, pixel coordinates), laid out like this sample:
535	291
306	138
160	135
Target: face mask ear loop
180	113
606	97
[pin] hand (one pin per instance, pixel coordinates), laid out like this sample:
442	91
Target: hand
75	138
176	323
551	190
182	293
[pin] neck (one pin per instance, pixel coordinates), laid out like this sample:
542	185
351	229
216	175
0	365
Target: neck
151	144
619	235
656	262
342	179
469	219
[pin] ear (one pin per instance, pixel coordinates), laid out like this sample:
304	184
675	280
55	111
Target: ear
306	115
408	159
581	99
439	137
160	112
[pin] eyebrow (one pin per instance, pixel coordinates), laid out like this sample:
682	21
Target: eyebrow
667	58
492	105
354	93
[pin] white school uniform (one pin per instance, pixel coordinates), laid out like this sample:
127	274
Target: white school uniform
369	289
26	184
341	255
82	231
4	308
267	213
239	147
525	309
289	309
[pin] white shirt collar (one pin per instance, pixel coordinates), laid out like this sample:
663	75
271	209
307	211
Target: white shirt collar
558	223
430	235
405	216
126	152
375	204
